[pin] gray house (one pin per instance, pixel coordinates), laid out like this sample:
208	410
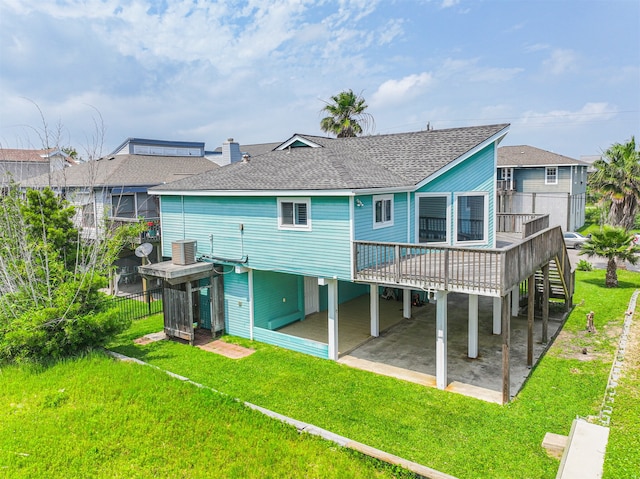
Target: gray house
19	164
115	187
531	180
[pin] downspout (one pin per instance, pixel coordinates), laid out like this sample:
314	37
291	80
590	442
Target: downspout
184	227
352	236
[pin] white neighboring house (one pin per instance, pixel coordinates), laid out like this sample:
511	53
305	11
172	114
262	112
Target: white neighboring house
532	180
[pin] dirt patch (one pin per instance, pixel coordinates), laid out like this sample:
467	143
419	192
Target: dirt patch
228	350
151	338
586	346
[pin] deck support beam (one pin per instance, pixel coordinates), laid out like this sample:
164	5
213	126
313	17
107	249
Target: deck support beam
441	339
406	303
472	351
531	304
545	303
332	317
506	346
497	319
374	307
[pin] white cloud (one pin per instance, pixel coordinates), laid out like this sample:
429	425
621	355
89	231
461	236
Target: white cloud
449	3
396	91
470	70
590	112
560	61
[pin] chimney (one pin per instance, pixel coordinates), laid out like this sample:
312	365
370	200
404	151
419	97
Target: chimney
230	152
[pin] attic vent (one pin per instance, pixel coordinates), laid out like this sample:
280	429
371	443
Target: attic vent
183	252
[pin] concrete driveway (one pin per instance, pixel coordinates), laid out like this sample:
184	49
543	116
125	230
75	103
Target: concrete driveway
599	263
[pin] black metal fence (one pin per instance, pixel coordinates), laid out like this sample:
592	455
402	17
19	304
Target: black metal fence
139	305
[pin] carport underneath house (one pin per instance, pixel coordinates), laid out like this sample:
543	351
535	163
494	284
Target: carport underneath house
480	349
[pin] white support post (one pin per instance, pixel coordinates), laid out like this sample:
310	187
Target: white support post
497	315
374	306
473	326
406	303
515	301
441	339
332	314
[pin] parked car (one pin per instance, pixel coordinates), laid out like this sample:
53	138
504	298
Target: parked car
574	240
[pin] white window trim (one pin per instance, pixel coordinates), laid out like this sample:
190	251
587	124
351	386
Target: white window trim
295	227
546	175
447	196
485	229
383	223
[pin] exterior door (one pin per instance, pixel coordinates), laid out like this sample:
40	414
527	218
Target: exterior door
311	295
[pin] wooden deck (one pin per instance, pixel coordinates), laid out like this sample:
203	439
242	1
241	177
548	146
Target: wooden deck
482	271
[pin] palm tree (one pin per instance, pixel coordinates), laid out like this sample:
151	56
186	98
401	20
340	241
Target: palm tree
347	115
617	178
613	244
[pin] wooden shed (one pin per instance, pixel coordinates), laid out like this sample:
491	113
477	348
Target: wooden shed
192	295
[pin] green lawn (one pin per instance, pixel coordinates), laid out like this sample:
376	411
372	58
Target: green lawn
461	436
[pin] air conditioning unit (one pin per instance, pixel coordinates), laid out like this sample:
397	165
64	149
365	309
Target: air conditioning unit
183	252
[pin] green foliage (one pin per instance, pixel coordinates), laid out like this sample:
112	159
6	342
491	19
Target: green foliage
615	244
50	304
617	180
346	115
584	265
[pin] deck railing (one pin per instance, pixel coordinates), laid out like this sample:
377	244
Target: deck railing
485	271
516	222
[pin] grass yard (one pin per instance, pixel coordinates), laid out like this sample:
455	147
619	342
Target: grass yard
461	436
95	417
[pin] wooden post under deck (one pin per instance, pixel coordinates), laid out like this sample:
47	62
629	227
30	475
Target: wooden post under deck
531	288
545	303
506	346
190	311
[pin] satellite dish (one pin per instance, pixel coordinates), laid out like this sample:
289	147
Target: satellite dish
143	250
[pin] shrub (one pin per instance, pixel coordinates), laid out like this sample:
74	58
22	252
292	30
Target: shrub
584	265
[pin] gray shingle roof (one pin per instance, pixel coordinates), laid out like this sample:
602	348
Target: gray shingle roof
523	155
125	170
381	161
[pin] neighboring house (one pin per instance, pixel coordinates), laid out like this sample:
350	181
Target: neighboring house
115	186
231	152
531	180
19	164
318	222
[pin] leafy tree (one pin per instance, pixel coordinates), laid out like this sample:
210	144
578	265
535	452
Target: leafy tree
346	115
615	244
617	179
50	277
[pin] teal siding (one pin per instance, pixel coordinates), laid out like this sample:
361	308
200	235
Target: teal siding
364	221
204	304
475	174
346	292
301	345
277	299
236	304
236	227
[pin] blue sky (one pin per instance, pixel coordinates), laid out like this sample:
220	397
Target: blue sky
564	73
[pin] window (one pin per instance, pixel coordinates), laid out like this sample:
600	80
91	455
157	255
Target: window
88	217
294	213
551	175
123	206
471	217
382	211
432	218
